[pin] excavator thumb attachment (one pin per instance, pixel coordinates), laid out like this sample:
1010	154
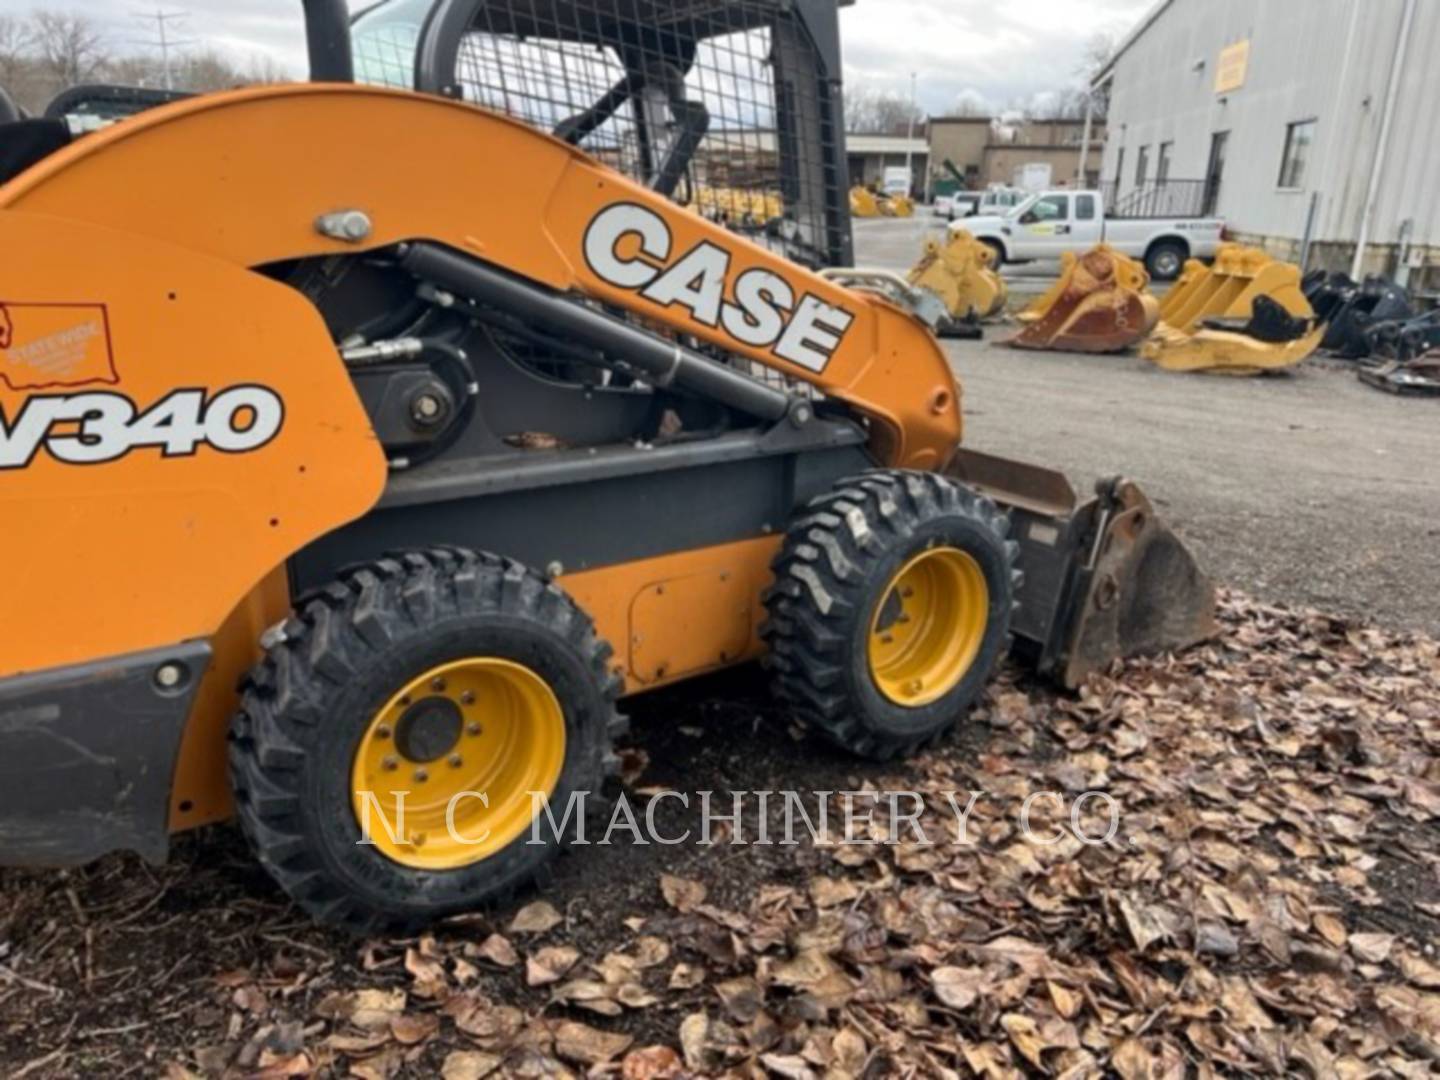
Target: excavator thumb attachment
962	275
1104	579
1099	305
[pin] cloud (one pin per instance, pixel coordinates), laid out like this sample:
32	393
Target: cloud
984	52
976	50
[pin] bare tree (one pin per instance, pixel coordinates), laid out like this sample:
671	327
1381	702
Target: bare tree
1099	51
14	49
875	111
69	46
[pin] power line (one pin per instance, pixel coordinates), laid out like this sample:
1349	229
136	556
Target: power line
163	41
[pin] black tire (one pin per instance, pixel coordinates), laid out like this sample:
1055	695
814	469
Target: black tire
999	250
1165	261
305	707
833	572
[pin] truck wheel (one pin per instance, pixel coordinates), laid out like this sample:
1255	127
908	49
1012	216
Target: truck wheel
998	249
1166	260
891	605
425	695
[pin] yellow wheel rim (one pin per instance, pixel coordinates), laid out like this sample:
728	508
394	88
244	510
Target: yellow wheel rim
443	774
928	627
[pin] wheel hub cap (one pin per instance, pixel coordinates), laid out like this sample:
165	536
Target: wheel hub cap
444	773
928	627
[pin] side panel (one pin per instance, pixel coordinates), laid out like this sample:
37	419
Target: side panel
245	176
172	428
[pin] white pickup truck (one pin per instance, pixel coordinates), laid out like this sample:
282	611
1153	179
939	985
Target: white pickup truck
1050	223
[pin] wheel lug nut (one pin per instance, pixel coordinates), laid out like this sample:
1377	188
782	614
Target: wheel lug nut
405	700
907	593
887	639
456	761
472	729
437	684
421	775
467	698
418	840
390	764
383	731
914	686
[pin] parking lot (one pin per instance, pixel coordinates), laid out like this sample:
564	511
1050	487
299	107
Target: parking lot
1307	488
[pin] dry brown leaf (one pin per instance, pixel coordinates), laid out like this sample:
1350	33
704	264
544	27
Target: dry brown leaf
498	951
580	1042
1331	929
651	1063
374	1009
469	1065
1418	970
957	987
535	918
682	894
1372	948
550	964
1025	1035
412	1028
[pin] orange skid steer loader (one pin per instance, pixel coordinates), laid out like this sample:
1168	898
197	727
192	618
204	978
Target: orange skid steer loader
362	447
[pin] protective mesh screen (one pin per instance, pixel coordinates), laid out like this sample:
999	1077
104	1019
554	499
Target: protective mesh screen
719	103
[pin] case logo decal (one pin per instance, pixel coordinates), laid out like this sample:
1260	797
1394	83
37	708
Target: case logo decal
95	427
46	346
631	247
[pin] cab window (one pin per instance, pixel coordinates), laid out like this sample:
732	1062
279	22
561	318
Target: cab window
1084	207
1050	208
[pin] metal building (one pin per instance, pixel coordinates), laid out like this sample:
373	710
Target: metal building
1309	125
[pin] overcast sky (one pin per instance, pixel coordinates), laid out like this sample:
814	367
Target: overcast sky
992	51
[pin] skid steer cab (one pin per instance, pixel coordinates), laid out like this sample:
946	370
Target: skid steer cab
350	493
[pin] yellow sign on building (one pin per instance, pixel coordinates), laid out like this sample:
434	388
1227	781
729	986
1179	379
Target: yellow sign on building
1234	63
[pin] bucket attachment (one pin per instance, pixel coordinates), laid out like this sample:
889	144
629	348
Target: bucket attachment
1244	315
863	203
1271	340
1227	289
1104	579
730	205
962	275
1099	305
901	206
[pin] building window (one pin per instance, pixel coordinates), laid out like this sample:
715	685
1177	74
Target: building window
1119	169
1298	140
1162	168
1084	207
1142	167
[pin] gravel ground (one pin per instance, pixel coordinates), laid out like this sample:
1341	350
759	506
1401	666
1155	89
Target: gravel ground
1309	488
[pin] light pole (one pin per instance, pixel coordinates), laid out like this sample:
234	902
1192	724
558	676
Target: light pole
910	136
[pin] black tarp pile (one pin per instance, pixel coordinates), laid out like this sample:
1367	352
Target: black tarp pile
1376	324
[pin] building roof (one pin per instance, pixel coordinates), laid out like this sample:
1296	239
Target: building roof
959	119
1133	36
885	144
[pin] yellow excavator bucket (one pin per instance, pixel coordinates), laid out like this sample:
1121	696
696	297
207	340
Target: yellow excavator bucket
901	206
962	275
1244	315
863	203
1227	289
735	204
1100	304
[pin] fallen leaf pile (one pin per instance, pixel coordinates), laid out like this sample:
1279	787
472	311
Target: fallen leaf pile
1267	902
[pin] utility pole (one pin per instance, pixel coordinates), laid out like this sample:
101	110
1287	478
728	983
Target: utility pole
910	137
163	41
